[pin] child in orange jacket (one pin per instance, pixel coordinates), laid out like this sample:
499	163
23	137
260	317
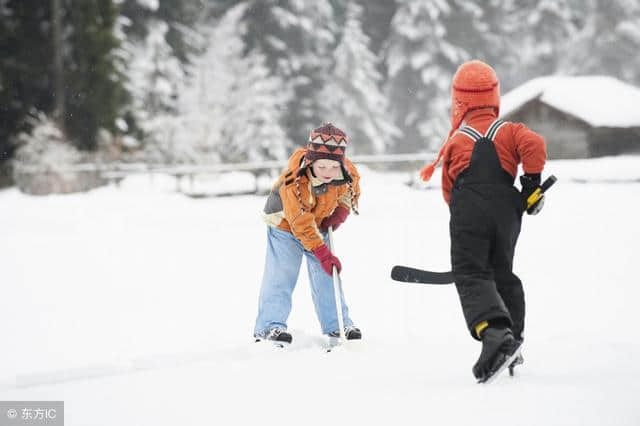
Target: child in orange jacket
318	190
479	163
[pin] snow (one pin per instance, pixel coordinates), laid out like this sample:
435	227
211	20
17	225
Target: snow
149	4
121	124
598	100
45	146
135	305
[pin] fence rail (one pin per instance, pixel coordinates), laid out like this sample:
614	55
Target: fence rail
42	179
115	170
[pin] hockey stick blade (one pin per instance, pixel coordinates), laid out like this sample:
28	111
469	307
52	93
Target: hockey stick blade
412	275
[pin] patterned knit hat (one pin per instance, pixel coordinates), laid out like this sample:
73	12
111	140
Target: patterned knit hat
326	142
475	86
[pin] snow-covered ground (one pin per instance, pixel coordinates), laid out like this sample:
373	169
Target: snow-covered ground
135	305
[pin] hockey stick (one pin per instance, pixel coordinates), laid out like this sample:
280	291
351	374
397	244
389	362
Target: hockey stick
336	291
413	275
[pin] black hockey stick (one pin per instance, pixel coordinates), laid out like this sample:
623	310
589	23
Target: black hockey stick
412	275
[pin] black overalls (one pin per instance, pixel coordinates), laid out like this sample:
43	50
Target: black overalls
486	213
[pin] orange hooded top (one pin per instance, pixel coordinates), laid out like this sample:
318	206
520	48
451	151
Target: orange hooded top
475	98
514	142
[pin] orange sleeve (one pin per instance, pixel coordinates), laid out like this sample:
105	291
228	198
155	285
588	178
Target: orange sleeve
302	223
531	148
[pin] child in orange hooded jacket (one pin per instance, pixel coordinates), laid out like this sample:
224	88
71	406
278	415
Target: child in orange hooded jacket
318	190
479	163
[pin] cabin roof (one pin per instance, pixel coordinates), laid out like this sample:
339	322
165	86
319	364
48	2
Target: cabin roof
600	101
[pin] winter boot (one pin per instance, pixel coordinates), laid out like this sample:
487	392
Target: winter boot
350	333
498	345
278	336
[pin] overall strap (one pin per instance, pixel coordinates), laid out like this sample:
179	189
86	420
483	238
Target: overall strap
490	133
493	129
484	164
471	132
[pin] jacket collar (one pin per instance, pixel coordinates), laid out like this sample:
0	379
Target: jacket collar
479	115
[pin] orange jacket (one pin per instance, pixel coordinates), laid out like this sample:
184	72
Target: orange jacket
514	142
298	202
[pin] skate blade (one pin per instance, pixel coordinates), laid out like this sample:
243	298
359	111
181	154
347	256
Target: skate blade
275	343
353	345
518	361
334	342
508	361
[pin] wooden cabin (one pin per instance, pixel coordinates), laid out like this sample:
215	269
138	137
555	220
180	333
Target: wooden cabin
580	117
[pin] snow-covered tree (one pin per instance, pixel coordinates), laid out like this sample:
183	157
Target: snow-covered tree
608	41
297	38
251	128
153	75
24	36
376	22
420	61
156	37
352	97
534	34
429	40
43	158
44	146
231	106
95	96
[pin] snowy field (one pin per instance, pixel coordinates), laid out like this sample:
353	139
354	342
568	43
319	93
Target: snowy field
135	306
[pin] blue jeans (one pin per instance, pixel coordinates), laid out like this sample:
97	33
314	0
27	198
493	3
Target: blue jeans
282	266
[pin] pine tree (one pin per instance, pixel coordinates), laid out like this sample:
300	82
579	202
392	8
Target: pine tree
607	42
25	67
352	98
297	39
153	76
429	40
421	61
231	107
156	40
251	127
178	15
535	35
376	22
95	94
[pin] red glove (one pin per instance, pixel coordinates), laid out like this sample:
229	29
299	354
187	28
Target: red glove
327	260
338	216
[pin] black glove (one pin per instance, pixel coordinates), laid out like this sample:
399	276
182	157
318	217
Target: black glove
530	184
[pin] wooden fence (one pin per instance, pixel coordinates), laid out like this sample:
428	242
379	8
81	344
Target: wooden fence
115	172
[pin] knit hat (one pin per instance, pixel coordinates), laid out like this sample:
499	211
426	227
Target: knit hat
327	142
475	86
